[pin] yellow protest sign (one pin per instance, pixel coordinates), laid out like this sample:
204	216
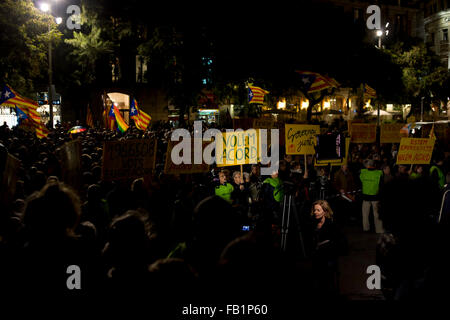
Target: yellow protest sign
363	132
337	162
301	139
415	151
390	132
182	168
128	159
238	147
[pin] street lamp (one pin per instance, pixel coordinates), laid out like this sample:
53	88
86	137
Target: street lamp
45	7
379	35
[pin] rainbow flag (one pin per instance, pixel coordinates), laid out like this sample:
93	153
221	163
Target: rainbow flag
27	107
141	119
121	124
256	94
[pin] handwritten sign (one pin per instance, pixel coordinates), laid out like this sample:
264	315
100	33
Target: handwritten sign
237	148
415	151
363	132
70	160
337	162
390	132
128	159
301	139
182	168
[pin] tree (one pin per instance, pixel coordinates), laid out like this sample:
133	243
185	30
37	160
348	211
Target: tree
174	53
24	42
423	74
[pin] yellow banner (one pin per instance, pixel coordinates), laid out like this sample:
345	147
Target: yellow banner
390	132
301	139
241	147
415	151
363	132
338	162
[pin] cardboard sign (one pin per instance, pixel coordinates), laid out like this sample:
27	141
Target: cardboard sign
237	148
128	159
9	180
338	162
363	132
301	139
70	160
390	132
182	168
415	151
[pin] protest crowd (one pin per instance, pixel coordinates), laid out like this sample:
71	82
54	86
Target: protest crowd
219	232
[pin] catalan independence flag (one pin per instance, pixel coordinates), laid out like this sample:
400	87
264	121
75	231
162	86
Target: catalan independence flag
141	119
25	107
110	118
314	82
369	92
121	124
256	94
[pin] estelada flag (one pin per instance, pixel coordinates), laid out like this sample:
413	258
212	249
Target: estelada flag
256	94
27	107
109	117
314	82
141	119
369	92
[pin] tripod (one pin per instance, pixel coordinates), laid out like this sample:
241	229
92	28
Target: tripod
289	207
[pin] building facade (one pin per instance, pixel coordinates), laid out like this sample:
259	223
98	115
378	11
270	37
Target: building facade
436	26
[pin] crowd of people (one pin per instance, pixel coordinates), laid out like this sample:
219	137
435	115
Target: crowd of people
218	231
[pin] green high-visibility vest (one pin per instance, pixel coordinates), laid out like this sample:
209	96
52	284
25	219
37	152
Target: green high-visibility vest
278	188
224	191
441	176
370	181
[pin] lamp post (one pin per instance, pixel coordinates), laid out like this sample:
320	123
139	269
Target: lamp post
421	109
45	7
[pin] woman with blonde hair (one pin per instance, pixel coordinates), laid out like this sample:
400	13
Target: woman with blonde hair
328	244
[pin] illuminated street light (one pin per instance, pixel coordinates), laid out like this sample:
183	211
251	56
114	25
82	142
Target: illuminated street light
58	20
45	7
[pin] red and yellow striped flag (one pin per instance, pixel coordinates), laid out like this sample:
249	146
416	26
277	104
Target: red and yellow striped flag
141	119
29	107
256	94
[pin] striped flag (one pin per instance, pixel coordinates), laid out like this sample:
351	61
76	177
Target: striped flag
141	119
89	118
314	82
121	124
256	94
369	92
27	107
109	118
